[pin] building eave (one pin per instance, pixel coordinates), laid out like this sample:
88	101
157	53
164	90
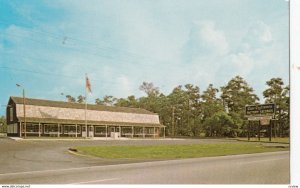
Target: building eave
82	122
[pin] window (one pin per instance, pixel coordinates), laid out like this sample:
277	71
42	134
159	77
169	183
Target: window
69	128
33	128
50	128
100	130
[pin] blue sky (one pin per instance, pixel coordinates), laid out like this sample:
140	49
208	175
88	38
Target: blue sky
48	46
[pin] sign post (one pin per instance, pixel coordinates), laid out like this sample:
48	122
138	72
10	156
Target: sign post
262	113
270	130
259	130
249	130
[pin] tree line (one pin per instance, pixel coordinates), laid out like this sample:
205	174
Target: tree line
216	112
3	126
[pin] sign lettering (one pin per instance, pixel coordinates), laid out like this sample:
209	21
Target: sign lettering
261	109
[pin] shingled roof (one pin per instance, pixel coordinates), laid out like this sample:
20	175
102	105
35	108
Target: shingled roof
62	104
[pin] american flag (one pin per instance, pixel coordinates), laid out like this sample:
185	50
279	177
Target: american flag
88	84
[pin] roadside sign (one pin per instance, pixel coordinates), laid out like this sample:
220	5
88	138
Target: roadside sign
262	113
260	118
261	109
265	121
254	118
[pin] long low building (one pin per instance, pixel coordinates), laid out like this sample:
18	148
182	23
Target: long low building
44	118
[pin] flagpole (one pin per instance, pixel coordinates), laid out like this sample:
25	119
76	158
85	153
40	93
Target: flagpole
86	131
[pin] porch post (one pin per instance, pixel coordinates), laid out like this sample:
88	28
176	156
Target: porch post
20	129
120	132
57	130
39	129
132	132
143	132
153	132
164	132
105	131
76	130
42	129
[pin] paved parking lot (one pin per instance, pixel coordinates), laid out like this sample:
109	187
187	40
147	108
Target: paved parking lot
36	155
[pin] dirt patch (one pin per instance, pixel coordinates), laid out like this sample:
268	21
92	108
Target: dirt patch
73	149
276	146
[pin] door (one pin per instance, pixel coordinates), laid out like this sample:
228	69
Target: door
91	131
83	131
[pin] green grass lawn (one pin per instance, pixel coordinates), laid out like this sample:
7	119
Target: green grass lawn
285	140
174	151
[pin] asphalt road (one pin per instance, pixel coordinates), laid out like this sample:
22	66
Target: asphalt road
264	168
48	162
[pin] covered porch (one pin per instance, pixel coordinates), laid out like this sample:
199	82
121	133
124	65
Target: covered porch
59	128
117	131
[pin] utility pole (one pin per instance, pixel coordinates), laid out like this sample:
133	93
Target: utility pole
188	115
24	111
280	124
173	121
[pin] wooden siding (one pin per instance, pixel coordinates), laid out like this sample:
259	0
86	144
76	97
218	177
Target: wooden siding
11	104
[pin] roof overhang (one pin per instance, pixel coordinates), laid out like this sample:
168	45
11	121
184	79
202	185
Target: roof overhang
82	122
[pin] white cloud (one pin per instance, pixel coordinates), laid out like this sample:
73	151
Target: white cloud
205	39
256	50
125	87
123	43
144	48
259	34
16	34
23	9
243	63
213	38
